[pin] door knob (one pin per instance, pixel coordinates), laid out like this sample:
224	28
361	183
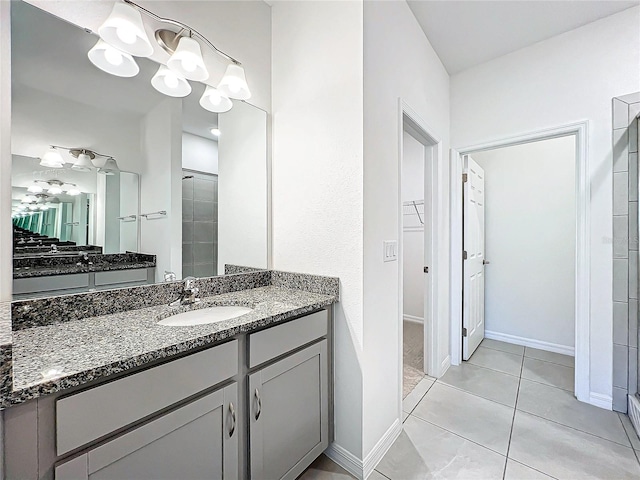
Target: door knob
486	262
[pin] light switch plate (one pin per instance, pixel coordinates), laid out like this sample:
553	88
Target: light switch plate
390	251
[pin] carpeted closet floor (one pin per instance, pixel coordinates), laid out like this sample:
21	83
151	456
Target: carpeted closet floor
413	356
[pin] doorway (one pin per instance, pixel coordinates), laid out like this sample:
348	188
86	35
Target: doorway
534	266
418	156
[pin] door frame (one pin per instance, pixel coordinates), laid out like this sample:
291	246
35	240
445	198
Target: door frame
583	247
432	366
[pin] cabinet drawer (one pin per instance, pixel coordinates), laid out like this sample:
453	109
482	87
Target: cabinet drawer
94	413
275	341
121	276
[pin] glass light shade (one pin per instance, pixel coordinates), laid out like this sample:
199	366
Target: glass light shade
55	189
124	30
82	164
187	60
170	83
33	207
215	101
28	199
44	207
234	84
52	159
54	200
111	60
110	167
73	192
34	188
20	207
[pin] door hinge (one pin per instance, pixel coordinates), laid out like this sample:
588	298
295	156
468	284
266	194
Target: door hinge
426	269
464	255
465	178
464	332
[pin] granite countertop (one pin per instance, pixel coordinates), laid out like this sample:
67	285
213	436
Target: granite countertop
28	272
5	323
97	347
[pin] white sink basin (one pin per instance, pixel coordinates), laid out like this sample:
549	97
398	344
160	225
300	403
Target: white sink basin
204	316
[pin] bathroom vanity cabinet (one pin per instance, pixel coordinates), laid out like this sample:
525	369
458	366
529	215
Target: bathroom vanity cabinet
255	407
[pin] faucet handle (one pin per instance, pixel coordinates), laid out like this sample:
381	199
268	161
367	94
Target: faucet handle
188	282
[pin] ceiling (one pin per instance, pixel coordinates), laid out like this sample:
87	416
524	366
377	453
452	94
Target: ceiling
468	33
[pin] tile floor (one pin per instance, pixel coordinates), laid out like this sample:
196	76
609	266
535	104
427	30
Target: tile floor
509	413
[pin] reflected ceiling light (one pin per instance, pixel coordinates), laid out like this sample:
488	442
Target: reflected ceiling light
34	188
52	159
234	83
110	167
187	60
170	83
215	101
124	30
215	132
111	60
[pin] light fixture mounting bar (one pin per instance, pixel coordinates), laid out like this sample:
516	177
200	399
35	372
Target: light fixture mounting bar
183	26
77	151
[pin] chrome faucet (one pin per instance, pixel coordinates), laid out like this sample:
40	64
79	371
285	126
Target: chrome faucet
189	294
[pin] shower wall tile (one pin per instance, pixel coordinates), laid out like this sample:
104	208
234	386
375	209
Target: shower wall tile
633	226
620	399
633	323
620	365
632	381
633	177
633	275
621	150
187	232
620	114
620	323
621	280
634	110
620	236
621	193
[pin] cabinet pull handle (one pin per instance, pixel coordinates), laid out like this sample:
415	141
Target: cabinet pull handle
232	411
259	404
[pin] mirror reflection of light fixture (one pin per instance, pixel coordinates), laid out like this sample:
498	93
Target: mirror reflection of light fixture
54	200
110	167
170	83
187	60
35	188
215	101
234	83
28	199
111	60
124	30
52	159
73	192
55	187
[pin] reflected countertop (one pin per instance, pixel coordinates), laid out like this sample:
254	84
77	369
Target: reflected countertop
88	349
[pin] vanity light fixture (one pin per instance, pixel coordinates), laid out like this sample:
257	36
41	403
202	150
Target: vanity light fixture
124	32
170	83
35	188
215	132
111	60
52	159
215	101
28	199
110	167
83	162
73	192
55	187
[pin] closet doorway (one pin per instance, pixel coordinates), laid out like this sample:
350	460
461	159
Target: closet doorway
418	154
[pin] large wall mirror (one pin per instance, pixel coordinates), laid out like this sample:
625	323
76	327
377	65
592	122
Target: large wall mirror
150	187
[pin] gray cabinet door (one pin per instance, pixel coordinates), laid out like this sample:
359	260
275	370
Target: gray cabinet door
194	442
288	414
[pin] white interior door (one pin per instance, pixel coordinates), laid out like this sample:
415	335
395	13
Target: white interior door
474	258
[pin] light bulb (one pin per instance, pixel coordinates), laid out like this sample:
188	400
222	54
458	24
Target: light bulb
214	101
170	83
126	34
171	80
187	60
113	56
189	64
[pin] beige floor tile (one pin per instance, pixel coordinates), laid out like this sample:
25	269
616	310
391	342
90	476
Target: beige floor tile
497	360
477	419
561	406
548	373
424	451
323	468
563	452
484	382
552	357
517	471
503	346
411	400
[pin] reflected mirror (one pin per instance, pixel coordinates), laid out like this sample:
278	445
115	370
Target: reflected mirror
139	187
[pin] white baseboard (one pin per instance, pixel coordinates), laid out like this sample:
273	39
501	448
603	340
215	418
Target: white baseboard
411	318
380	449
345	459
529	342
601	400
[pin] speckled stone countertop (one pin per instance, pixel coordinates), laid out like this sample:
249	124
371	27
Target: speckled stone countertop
97	347
82	268
5	323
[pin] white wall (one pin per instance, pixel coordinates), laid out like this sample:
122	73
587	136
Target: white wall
413	160
318	172
530	235
568	78
399	62
242	188
199	153
161	186
241	29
